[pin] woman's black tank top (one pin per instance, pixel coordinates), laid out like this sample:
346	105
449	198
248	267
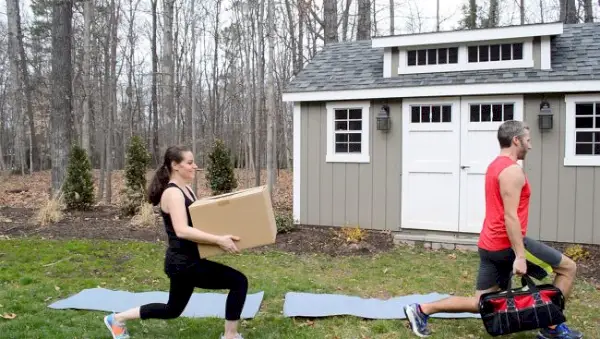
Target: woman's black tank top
181	254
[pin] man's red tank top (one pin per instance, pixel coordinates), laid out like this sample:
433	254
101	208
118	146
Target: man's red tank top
493	236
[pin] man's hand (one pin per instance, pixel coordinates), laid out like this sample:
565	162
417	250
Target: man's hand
520	266
226	243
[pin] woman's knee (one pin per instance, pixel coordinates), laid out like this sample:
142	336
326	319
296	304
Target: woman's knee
241	282
172	312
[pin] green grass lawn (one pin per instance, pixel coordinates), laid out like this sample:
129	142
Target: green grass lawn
35	273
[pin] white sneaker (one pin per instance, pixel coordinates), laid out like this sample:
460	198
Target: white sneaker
237	336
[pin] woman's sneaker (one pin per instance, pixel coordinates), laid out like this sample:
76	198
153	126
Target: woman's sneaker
118	330
417	320
237	336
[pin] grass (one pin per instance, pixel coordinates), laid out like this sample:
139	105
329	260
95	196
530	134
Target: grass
35	273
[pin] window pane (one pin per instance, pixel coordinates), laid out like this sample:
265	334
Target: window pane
518	51
509	112
442	55
432	56
356	113
584	137
446	113
497	113
472	53
584	109
584	122
584	149
597	122
341	148
474	113
341	125
598	108
422	57
506	52
355	125
597	137
412	58
341	137
484	53
415	114
494	52
355	137
425	114
486	112
597	149
341	114
453	55
436	114
355	148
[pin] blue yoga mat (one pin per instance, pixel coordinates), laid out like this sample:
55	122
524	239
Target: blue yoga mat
200	305
311	305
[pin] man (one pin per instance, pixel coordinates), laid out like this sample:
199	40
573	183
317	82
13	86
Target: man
503	246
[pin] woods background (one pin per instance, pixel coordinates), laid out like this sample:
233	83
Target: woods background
96	72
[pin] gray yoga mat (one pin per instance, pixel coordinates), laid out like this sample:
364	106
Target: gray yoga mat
200	305
311	305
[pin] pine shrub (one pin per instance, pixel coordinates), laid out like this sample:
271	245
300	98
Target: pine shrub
220	175
78	188
137	162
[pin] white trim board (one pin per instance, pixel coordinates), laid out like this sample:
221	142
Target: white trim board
449	90
460	36
297	130
364	155
570	158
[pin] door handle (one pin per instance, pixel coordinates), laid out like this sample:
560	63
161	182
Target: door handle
463	167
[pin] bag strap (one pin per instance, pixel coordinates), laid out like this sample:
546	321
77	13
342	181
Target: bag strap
525	280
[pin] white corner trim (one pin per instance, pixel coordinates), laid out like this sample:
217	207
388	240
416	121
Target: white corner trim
487	34
570	158
545	53
364	156
449	90
387	63
296	133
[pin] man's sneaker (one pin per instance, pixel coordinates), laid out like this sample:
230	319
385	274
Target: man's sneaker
237	336
417	320
118	330
560	332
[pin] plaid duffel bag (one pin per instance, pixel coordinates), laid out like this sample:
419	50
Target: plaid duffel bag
517	310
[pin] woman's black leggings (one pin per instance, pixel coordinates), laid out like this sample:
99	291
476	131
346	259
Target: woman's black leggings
209	275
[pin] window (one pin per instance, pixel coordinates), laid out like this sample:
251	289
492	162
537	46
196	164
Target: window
432	56
430	113
491	112
348	132
582	127
496	52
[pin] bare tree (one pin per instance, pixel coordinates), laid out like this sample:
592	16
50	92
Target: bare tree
364	20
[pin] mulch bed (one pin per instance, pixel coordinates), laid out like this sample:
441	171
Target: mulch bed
104	222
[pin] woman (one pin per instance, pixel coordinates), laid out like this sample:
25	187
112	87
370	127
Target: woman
183	265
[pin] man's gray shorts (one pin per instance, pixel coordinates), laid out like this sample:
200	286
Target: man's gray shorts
495	266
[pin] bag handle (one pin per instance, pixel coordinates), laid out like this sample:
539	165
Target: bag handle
525	280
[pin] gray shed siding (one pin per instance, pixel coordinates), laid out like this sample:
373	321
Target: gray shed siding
340	194
565	202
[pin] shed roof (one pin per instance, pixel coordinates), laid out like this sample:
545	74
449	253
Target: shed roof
355	65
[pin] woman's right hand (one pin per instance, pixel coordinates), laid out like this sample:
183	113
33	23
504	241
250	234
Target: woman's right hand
227	244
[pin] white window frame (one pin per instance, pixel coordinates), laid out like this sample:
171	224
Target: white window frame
364	155
571	159
463	58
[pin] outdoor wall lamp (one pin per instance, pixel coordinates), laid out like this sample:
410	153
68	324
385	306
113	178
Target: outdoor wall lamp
383	118
545	118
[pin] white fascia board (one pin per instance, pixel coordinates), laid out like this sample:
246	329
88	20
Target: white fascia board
449	90
481	34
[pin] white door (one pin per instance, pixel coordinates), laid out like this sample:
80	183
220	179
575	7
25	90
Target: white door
481	118
430	164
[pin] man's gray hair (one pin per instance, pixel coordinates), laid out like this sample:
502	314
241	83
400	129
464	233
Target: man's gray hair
510	129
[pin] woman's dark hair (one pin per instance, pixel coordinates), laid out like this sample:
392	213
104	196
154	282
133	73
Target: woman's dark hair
163	173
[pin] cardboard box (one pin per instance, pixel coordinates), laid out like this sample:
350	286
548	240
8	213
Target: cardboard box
246	213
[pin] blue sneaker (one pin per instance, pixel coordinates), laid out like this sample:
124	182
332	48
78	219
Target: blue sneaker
560	332
417	320
118	330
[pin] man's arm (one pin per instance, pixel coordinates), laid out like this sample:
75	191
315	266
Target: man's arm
511	182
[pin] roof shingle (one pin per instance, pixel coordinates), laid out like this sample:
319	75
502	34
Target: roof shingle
356	65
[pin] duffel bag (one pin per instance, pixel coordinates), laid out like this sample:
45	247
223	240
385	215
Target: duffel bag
517	310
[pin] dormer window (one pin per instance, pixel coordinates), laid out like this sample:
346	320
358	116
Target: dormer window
432	56
496	52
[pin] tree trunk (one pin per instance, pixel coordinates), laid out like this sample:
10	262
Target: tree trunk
364	20
155	148
61	119
88	16
589	11
271	31
168	73
330	19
